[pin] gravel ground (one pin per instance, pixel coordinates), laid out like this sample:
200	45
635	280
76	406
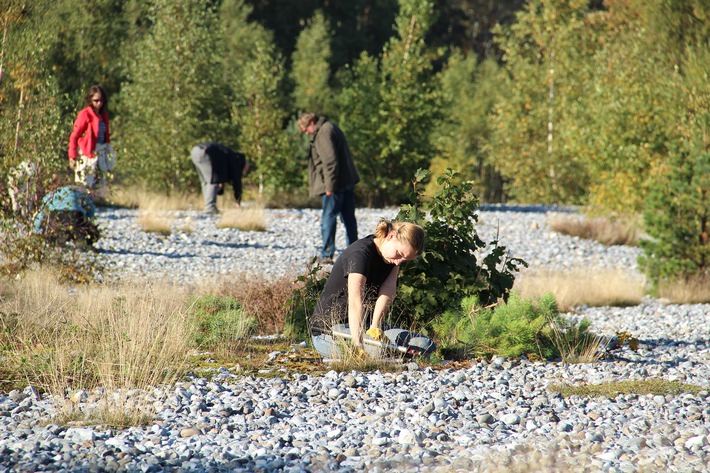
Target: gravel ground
491	416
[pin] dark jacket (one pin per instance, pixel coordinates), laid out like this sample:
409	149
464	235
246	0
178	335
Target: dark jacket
331	166
227	166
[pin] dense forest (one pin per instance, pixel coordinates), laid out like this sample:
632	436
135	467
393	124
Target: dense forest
598	103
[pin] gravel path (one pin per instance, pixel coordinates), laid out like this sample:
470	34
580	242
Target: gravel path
491	416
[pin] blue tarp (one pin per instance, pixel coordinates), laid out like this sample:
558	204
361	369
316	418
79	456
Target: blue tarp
68	198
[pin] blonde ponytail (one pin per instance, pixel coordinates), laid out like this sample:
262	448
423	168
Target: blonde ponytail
407	232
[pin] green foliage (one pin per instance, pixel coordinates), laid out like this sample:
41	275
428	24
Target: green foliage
259	112
310	69
302	302
218	322
542	51
389	132
174	97
677	214
512	329
469	92
517	327
453	265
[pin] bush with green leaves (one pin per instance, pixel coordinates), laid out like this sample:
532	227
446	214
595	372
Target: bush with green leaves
518	327
455	263
218	323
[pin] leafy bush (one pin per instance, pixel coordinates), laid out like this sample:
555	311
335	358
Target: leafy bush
218	323
453	265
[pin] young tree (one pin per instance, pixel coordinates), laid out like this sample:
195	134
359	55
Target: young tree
311	70
260	115
543	52
469	92
391	105
677	213
175	97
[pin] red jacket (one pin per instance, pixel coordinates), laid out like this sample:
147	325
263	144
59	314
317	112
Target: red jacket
86	132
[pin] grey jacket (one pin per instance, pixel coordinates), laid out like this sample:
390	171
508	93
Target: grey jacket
331	166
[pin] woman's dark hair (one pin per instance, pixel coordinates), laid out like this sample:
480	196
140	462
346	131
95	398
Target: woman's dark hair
94	89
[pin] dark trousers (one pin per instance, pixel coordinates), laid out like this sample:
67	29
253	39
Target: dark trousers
340	203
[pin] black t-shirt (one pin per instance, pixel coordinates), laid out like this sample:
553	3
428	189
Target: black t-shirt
363	258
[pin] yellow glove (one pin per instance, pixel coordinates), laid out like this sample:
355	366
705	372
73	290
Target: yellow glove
377	334
360	354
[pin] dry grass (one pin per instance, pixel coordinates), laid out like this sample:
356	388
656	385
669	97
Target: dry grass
247	219
155	222
147	199
607	231
592	287
153	201
577	346
264	300
692	291
62	339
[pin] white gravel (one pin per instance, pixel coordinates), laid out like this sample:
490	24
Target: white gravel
491	416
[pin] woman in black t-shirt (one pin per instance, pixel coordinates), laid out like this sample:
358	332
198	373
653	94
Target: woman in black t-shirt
360	289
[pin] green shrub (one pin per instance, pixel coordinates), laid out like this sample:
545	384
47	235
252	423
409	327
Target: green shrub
218	323
517	327
452	266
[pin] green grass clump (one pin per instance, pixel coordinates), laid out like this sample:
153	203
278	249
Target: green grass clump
613	389
219	323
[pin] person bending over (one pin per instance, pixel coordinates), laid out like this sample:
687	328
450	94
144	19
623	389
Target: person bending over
217	164
360	289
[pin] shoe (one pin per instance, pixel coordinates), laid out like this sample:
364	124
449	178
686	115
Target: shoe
325	260
211	212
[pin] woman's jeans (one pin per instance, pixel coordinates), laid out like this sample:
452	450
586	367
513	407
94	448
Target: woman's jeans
342	203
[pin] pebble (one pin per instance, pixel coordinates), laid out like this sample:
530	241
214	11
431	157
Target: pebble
486	416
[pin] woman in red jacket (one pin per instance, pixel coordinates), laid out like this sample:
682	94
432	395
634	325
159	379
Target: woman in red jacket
90	153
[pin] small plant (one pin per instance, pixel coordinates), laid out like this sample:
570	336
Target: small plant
575	343
623	339
261	298
514	328
219	323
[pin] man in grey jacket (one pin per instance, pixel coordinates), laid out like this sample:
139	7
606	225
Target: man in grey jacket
332	176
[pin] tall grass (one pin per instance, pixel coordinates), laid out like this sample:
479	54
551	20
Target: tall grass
116	338
154	222
247	218
575	287
607	231
690	291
